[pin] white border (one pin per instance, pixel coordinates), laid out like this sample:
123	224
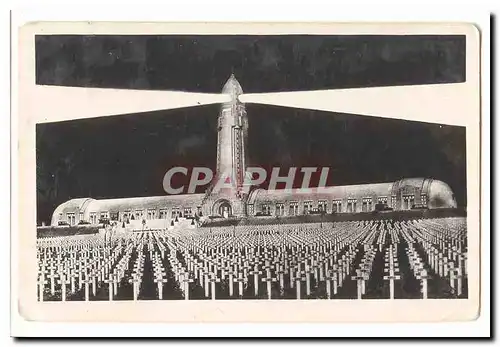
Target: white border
425	10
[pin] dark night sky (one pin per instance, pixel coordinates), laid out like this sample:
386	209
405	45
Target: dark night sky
261	63
128	155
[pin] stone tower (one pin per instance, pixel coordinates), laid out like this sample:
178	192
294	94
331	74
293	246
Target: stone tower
225	196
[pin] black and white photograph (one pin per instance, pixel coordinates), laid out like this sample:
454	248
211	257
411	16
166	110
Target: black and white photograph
237	198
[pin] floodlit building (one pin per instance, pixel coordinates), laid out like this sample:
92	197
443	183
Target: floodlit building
232	159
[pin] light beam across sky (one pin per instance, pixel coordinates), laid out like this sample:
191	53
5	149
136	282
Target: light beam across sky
424	103
63	103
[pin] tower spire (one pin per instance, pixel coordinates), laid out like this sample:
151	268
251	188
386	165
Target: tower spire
232	136
233	88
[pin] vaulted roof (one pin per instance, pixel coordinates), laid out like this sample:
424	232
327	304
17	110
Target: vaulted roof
150	202
328	193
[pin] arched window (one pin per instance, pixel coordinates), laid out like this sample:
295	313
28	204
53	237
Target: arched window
423	199
367	205
337	206
322	205
308	206
280	209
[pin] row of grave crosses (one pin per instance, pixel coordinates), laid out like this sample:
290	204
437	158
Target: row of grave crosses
417	266
444	258
445	254
302	255
115	277
137	272
159	274
78	265
269	279
391	268
268	266
364	270
364	267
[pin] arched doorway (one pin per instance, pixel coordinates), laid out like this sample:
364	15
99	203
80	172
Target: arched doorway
223	208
